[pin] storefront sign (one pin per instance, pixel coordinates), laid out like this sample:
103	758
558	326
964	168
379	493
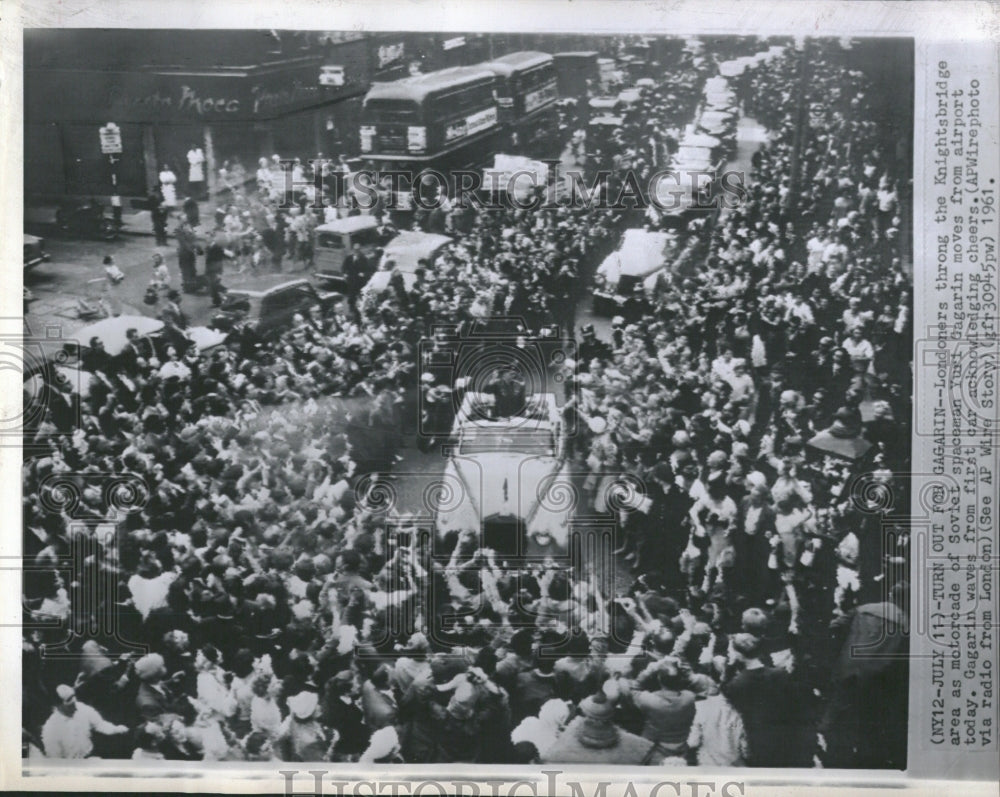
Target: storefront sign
190	101
111	139
164	97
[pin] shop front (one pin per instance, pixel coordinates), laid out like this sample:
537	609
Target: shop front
294	109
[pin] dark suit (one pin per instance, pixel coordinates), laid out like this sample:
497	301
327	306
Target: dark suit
348	720
355	272
379	708
152	702
775	711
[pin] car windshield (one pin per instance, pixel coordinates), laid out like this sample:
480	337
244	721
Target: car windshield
484	440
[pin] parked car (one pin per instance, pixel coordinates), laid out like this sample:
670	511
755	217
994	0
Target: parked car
34	251
335	240
87	219
271	309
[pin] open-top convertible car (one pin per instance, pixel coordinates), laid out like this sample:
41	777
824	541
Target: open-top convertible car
506	477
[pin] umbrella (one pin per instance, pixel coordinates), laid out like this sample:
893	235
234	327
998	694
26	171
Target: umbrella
830	441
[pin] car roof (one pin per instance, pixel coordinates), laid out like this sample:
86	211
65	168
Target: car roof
526	59
409	247
111	331
417	87
349	224
260	294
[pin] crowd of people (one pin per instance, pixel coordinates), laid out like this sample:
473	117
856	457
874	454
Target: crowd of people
262	608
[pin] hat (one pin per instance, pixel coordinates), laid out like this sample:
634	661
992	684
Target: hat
427	377
383	743
303	705
150	666
597	730
65	692
417	643
597	425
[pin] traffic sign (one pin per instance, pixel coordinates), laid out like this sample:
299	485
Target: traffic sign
111	139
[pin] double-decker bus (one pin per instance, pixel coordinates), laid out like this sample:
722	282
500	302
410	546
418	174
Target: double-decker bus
443	119
527	91
574	69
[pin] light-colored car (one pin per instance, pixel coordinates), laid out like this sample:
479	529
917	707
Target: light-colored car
507	478
112	332
638	261
34	251
403	254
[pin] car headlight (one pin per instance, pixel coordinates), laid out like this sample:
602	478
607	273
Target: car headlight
416	138
367	136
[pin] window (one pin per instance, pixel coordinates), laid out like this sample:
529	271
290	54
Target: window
391	111
329	240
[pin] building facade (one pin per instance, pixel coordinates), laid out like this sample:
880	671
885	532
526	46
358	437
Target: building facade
239	95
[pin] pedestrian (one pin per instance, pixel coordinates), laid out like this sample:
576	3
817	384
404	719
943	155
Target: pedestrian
215	256
158	214
187	253
191	211
168	185
68	732
112	272
356	272
594	738
196	172
161	275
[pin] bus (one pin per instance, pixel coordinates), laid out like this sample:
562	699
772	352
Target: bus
527	92
444	119
574	70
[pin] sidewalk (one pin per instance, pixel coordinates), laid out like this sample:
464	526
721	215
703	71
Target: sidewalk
134	221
